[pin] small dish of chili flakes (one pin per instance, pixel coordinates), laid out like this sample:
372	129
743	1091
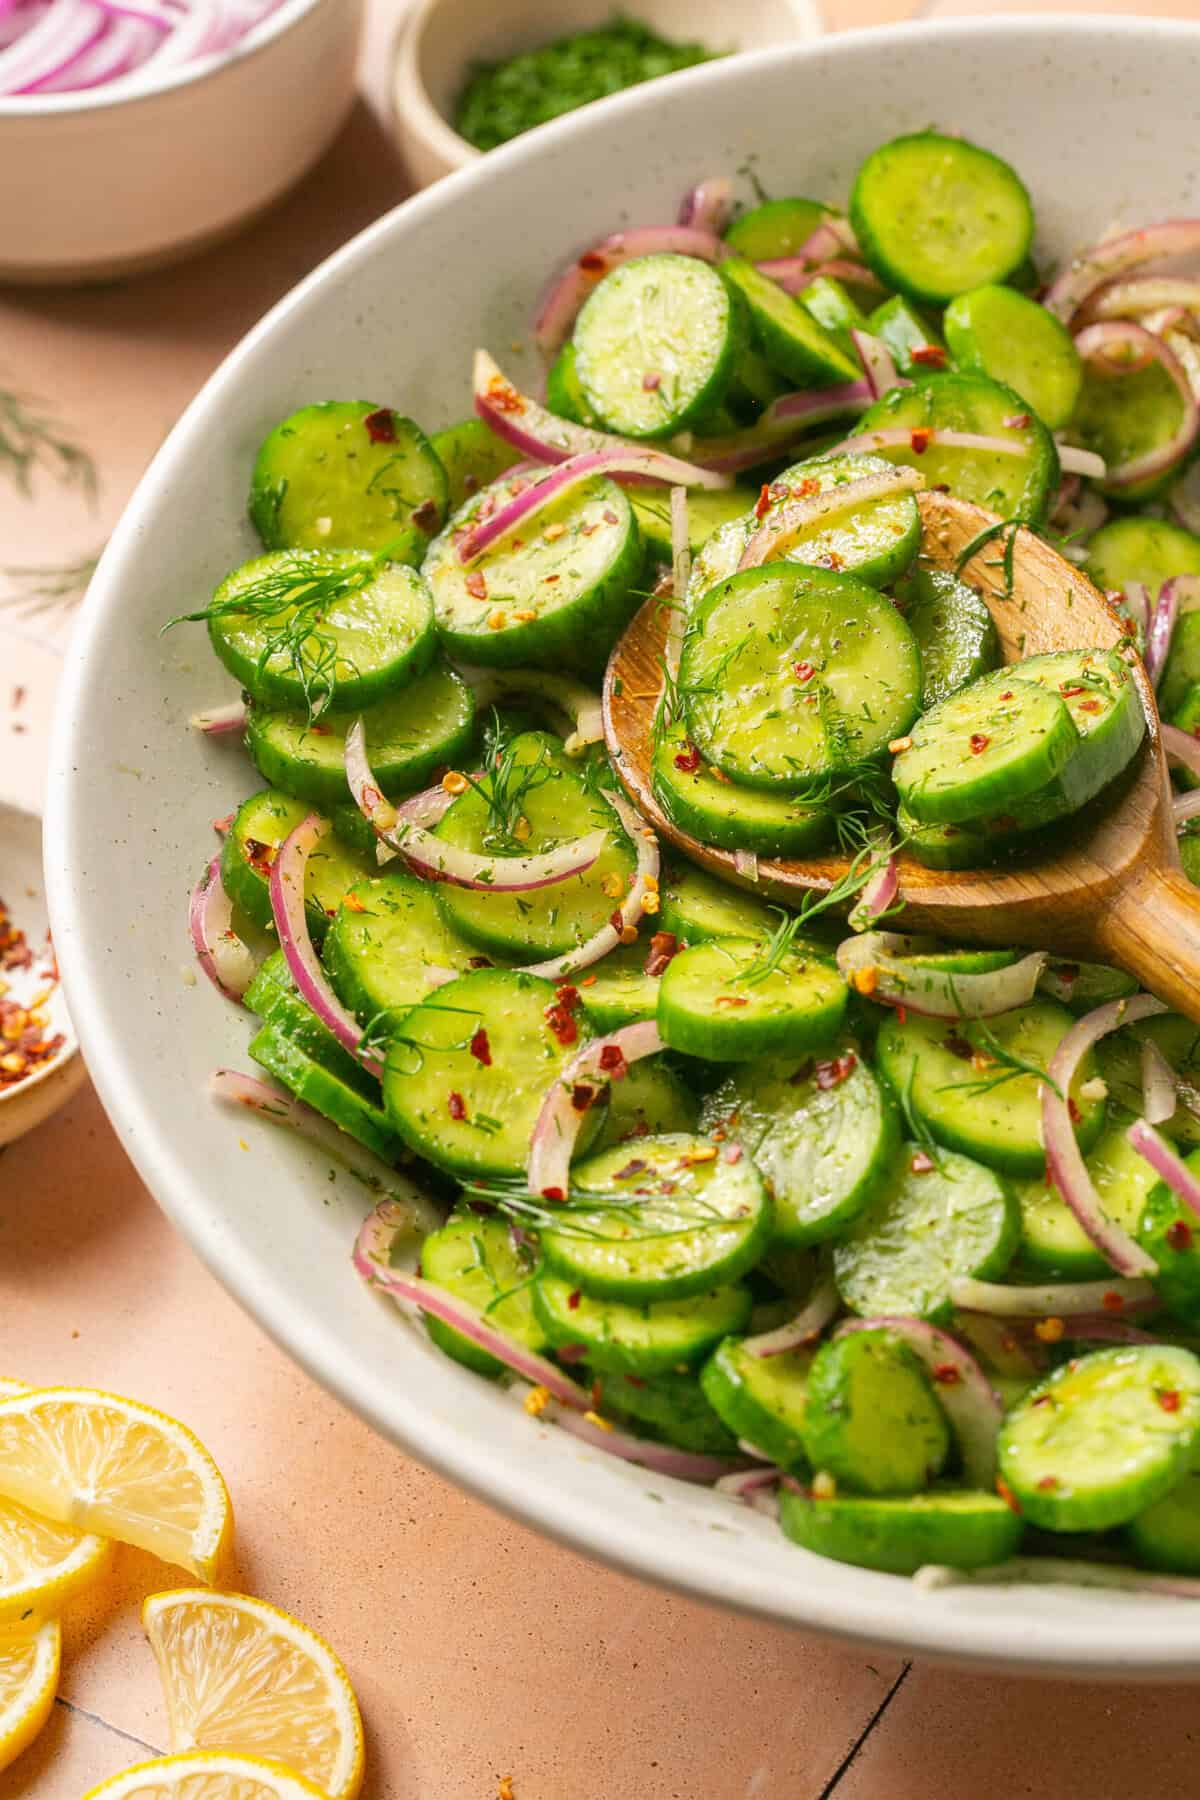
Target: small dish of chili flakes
40	1065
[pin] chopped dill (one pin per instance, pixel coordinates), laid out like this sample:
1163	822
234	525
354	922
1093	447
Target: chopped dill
507	784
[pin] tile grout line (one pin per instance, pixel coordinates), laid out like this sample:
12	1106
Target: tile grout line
843	1767
95	1719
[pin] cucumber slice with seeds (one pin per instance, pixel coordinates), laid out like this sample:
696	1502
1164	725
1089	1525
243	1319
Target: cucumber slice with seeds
650	1100
872	1420
472	1257
952	1526
564	392
949	1075
995	331
707	512
792	675
697	907
325	1091
835	311
673	1219
656	344
761	1399
1103	1437
955	632
617	991
1120	1058
823	1137
617	1338
274	997
1170	1231
936	216
1150	551
776	228
1167	1534
671	1408
388	946
473	457
555	593
933	1220
710	807
983	750
1053	1244
728	1002
427	725
348	475
369	640
786	332
259	828
902	330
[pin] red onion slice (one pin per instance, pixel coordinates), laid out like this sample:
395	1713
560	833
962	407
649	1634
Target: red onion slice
935	993
878	365
220	720
808	1324
1001	1345
291	922
581	706
1137	604
651	465
567	292
1075	461
794	273
662	1459
681	575
970	1402
1169	1166
558	1123
434	860
1065	1167
225	959
1161	631
1062	1300
1186	806
1159	1098
785	422
1181	747
1102	345
50	45
877	898
1185	498
753	1487
708	206
645	881
784	523
893	438
1147	294
1116	256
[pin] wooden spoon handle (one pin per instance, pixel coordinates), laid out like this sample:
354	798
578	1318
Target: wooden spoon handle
1152	928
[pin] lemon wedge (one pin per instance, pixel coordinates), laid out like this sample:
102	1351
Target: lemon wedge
28	1683
241	1675
111	1466
207	1775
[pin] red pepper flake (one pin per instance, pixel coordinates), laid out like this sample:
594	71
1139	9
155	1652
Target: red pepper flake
1073	1109
688	761
636	1167
260	856
920	439
571	1353
928	356
1169	1399
1007	694
593	263
979	743
1112	1302
921	1162
1070	690
352	903
1068	972
1018	421
804	671
480	1048
732	1000
1179	1235
1048	1483
583	1095
609	516
1006	1494
732	1153
573	1299
617	921
763	504
947	1374
832	1074
901	1014
456	1106
475	585
612	1061
381	426
427	517
651	381
504	396
804	490
553	1193
567	996
958	1046
1089	706
833	560
561	1024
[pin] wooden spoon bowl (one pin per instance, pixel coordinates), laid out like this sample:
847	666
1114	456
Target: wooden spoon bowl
1110	890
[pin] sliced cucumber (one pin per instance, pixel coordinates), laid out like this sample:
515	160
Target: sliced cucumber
1186	717
985	749
960	1079
348	475
955	632
1139	549
1053	1244
617	991
872	1420
1098	690
904	331
427	725
275	998
649	1101
776	228
1170	1231
697	907
1103	1437
946	846
558	805
555	593
995	331
473	1258
656	344
1016	486
932	1221
1167	1534
1083	986
389	946
369	639
710	807
729	1001
707	511
1120	1058
1126	413
786	333
673	1219
790	675
473	457
835	311
823	1136
325	1091
259	827
956	1527
637	1340
671	1408
1183	665
1189	856
469	1115
564	392
936	216
762	1399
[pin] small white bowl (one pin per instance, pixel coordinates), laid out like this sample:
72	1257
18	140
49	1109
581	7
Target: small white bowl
126	177
31	1101
443	38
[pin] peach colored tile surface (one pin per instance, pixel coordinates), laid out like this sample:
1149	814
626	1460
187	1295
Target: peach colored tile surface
478	1650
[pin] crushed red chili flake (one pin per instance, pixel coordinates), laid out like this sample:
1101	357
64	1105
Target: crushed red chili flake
582	1096
1089	706
637	1167
1070	690
804	671
901	1014
426	517
617	921
763	503
260	856
663	946
804	490
920	439
832	1074
1006	1494
553	1193
475	585
1112	1302
15	952
1068	972
481	1048
593	263
612	1061
1073	1109
732	1000
574	1298
609	516
568	996
1017	421
732	1153
561	1024
456	1106
688	760
921	1162
352	903
947	1374
381	425
929	356
834	560
504	396
979	743
1179	1235
1048	1482
1169	1399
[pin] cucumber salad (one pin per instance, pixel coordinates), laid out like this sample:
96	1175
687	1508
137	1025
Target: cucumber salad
894	1241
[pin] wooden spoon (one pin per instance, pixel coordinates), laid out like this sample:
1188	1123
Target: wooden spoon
1113	891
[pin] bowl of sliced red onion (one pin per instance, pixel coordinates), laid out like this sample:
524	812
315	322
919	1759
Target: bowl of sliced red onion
147	129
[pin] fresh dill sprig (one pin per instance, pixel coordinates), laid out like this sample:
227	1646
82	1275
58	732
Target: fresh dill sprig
507	784
583	1212
918	1130
31	440
985	537
777	946
1010	1066
378	1037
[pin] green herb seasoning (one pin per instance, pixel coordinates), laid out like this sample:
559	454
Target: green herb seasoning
501	100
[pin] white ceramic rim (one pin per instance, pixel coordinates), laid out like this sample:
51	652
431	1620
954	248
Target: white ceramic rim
1154	1642
126	89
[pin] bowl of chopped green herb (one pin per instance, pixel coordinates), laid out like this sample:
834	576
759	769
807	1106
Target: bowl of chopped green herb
474	74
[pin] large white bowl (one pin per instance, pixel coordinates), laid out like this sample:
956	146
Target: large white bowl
1100	117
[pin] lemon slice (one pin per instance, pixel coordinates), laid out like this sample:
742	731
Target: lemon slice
9	1386
207	1775
112	1466
43	1565
241	1675
28	1683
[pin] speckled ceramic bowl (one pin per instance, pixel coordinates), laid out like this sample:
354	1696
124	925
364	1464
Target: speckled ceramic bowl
1100	118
